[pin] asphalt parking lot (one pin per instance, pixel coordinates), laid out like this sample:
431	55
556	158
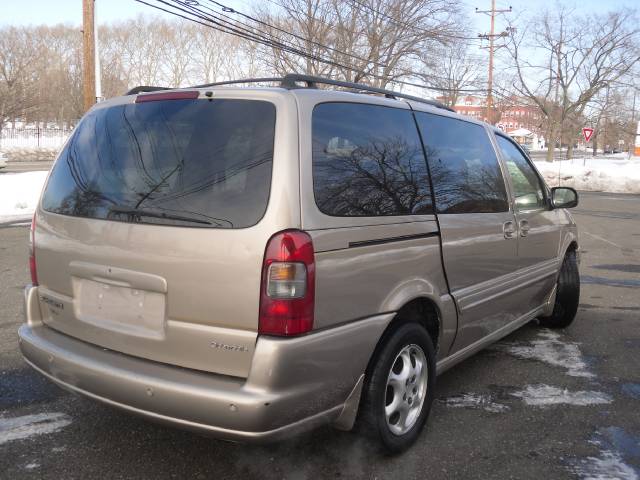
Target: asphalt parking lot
539	404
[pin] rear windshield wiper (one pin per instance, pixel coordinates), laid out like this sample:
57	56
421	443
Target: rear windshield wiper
143	212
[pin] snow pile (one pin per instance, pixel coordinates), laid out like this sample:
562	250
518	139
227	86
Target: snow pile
612	174
19	194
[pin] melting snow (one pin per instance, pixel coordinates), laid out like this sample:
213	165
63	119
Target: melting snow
608	466
474	400
542	395
19	428
32	465
550	349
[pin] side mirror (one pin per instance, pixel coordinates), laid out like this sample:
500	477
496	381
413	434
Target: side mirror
564	197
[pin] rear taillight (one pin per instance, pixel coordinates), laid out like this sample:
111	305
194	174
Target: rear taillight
288	284
32	252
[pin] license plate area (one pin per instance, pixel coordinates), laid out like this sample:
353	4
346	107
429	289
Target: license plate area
119	308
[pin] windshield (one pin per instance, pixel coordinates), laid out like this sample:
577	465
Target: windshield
201	163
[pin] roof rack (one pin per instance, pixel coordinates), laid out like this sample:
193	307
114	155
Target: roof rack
241	80
293	81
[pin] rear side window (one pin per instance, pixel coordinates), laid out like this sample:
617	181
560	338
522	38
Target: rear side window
179	162
368	161
464	168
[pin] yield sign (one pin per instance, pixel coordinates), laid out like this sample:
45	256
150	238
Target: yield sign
587	133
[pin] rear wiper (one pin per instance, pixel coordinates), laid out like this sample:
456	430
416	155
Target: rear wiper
143	212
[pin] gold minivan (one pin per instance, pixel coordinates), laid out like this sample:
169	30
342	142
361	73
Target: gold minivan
251	262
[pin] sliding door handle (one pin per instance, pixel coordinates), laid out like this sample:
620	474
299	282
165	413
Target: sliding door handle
509	229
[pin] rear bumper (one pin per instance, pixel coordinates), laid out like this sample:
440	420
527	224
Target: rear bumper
294	384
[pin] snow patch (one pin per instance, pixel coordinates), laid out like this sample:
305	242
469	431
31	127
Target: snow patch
550	349
19	194
32	466
607	466
19	428
616	175
544	395
475	400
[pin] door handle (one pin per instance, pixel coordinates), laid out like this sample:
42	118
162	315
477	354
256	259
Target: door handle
509	229
524	228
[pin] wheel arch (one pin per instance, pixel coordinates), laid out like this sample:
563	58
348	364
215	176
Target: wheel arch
569	243
423	310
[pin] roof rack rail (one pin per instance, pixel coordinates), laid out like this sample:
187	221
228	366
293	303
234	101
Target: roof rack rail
241	80
145	88
291	81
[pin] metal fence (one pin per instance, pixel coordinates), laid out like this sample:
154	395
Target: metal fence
33	137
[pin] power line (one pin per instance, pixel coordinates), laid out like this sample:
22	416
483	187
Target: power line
194	4
408	25
224	26
261	22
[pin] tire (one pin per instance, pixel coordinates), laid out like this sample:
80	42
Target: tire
399	356
567	295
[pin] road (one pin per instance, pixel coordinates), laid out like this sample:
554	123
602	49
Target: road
497	415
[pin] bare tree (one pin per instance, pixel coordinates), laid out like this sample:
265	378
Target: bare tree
576	58
18	77
178	42
452	69
214	56
373	41
140	44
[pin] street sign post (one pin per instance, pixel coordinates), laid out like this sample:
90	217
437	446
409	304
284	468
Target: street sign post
587	133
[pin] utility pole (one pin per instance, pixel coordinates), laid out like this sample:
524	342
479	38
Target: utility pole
98	81
88	54
491	36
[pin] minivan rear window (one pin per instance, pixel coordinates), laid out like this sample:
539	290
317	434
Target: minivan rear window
199	163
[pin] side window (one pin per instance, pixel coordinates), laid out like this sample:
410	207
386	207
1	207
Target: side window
527	189
465	172
368	161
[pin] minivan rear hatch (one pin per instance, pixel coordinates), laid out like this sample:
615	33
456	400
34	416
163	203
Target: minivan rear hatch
148	237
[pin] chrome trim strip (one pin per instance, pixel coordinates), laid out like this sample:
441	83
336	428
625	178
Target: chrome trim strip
400	238
475	295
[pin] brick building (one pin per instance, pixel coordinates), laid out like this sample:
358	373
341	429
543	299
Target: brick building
514	116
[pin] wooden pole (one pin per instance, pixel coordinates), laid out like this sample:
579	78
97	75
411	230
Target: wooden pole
491	36
490	76
88	55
